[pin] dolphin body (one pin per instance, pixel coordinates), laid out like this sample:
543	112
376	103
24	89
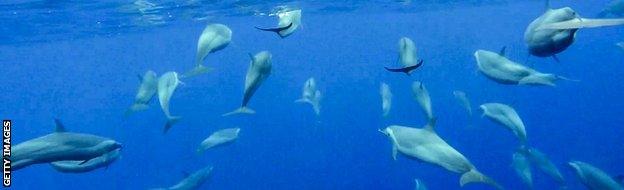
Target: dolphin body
506	116
192	181
167	84
594	178
504	71
522	166
289	21
407	57
386	99
72	166
425	144
61	146
422	97
215	37
259	70
221	137
145	93
555	30
542	162
311	95
463	101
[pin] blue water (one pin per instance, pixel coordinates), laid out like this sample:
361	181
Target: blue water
65	66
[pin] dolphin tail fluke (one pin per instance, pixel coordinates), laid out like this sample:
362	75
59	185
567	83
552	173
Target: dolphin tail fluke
136	108
240	110
276	30
197	70
170	122
474	176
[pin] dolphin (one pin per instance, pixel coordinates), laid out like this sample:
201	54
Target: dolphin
192	181
422	97
289	21
386	98
259	70
542	162
145	93
522	167
73	166
167	83
463	100
506	116
215	37
221	137
61	146
504	71
555	30
311	95
419	185
594	178
425	144
407	57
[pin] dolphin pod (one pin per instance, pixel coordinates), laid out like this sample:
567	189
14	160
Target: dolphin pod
192	181
506	116
214	38
422	97
407	57
425	144
386	99
74	166
289	21
145	93
555	30
167	84
259	70
61	146
218	138
311	95
502	70
594	178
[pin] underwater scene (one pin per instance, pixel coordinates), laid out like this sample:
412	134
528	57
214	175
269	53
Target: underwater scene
319	95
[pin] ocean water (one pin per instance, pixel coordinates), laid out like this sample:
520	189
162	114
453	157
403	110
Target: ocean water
78	62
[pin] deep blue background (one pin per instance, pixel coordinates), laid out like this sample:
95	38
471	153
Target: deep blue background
89	82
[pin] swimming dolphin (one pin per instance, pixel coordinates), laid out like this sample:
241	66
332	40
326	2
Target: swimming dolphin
463	101
221	137
542	162
425	144
522	167
192	181
289	21
555	30
506	116
145	93
214	38
311	95
504	71
73	166
407	57
419	185
167	83
60	146
259	70
594	178
422	97
386	98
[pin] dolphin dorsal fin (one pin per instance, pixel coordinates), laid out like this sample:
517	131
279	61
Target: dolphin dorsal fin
502	51
59	126
253	59
431	124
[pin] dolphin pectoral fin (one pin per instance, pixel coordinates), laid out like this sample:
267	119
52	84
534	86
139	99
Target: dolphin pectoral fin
554	56
502	51
276	30
84	161
59	126
197	70
170	122
474	176
240	110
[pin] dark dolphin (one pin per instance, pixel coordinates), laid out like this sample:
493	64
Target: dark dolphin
405	70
